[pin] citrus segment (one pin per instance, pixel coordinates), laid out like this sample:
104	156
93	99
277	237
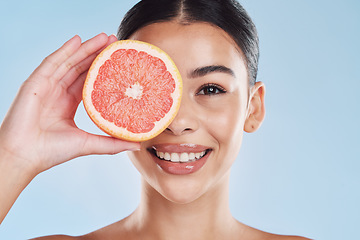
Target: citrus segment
132	90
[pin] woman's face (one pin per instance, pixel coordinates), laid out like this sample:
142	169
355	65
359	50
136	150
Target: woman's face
207	132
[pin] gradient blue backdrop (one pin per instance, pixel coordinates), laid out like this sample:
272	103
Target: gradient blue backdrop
299	174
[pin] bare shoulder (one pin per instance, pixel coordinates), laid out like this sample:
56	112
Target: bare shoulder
60	237
270	236
256	234
55	237
284	237
292	238
88	237
107	232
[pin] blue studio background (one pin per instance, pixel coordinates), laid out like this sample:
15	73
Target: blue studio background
299	174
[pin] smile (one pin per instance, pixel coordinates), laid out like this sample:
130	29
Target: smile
180	159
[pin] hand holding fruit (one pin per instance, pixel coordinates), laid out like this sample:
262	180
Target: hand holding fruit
39	130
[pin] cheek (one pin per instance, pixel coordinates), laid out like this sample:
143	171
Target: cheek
225	126
225	120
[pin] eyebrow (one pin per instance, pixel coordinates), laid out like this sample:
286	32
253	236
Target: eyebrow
202	71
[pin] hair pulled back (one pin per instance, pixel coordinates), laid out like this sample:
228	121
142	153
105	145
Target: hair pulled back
228	15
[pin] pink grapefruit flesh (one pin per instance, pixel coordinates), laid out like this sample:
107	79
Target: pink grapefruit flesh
132	90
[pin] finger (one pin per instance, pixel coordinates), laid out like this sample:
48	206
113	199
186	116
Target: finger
87	48
75	89
112	38
80	68
78	73
96	144
51	63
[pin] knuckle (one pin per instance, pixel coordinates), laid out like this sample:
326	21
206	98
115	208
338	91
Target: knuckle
78	69
69	65
49	62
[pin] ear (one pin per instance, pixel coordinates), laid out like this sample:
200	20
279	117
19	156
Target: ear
256	108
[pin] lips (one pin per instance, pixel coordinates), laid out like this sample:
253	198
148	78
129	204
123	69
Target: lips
180	159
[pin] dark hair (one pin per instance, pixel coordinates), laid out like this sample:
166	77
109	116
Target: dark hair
228	15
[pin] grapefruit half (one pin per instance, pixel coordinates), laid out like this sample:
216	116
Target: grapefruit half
132	90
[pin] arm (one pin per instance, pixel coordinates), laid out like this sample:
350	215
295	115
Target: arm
39	131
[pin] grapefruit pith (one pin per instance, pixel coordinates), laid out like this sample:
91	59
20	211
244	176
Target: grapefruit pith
132	90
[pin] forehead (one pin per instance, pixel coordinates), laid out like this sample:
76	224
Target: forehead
194	45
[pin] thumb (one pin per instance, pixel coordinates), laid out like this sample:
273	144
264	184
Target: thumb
97	144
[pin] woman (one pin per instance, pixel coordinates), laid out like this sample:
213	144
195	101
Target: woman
215	46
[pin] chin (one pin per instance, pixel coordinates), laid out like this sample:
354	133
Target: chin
182	191
179	183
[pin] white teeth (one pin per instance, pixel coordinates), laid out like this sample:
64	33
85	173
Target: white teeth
184	157
175	157
180	157
167	156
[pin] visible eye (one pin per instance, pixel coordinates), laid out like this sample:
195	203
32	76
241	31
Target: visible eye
211	89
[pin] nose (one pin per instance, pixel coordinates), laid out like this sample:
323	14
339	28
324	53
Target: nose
186	120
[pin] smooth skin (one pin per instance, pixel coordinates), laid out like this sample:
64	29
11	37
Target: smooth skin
191	206
39	131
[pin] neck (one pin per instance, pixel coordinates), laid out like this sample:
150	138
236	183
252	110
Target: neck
207	217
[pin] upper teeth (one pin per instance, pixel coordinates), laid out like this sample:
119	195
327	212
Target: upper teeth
180	157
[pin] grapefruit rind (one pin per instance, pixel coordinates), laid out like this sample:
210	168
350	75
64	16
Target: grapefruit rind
109	127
